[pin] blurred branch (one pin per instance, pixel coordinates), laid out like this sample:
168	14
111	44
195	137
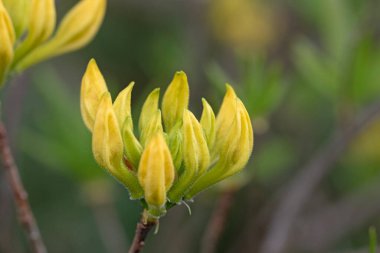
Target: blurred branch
20	195
142	230
215	227
298	190
326	226
6	217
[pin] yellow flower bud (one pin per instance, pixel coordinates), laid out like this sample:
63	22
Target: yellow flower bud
107	146
175	100
226	148
195	155
244	147
208	123
132	146
92	89
7	38
122	105
149	108
151	128
235	150
156	174
19	11
42	21
77	28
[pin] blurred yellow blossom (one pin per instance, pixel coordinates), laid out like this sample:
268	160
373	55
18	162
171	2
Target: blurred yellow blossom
243	24
28	36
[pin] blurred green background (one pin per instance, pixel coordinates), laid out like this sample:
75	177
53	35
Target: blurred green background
304	69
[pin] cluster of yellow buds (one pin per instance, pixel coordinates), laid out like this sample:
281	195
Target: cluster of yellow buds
174	156
27	31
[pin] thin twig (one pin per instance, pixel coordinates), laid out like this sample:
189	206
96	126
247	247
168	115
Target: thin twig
217	222
142	230
25	213
298	191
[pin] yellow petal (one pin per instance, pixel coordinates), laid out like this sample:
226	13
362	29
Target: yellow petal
107	146
41	26
20	12
225	118
77	29
122	105
244	147
208	123
175	100
6	43
149	108
151	128
93	87
156	174
7	26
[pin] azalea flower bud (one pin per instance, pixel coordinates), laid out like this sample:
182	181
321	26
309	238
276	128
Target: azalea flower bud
226	148
122	105
235	151
19	11
149	108
92	89
77	28
151	128
195	155
132	147
107	146
240	155
208	123
175	100
7	38
42	20
156	174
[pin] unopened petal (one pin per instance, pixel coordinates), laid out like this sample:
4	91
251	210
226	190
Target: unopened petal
175	100
149	108
6	43
122	104
19	12
92	89
208	123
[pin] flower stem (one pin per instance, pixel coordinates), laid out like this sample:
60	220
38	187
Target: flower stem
144	226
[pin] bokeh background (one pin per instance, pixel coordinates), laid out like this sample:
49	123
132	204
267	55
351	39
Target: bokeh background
309	74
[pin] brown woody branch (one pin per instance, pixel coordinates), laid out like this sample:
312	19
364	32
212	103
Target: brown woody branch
297	192
144	226
20	196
